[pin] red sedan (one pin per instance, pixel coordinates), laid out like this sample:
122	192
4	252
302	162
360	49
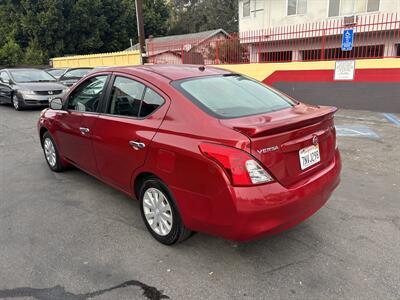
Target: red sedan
202	149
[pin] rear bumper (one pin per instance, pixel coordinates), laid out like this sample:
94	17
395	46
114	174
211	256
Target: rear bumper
271	208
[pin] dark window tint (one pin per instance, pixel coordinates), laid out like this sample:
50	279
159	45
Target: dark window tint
232	96
276	56
151	102
87	95
126	96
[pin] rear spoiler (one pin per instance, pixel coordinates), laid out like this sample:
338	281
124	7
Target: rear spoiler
287	124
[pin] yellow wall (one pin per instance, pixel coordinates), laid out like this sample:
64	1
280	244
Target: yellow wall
257	71
262	71
124	58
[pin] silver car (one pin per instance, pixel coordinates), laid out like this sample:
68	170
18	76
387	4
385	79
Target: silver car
25	88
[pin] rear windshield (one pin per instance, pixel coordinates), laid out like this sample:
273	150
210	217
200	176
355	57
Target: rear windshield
232	96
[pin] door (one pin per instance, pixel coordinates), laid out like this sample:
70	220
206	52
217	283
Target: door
123	134
5	88
77	122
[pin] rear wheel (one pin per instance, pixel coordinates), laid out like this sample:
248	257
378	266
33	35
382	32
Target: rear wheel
160	213
51	153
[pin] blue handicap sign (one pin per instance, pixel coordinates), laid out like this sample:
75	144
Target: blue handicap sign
347	40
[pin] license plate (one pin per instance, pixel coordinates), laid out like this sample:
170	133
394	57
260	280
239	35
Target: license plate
309	156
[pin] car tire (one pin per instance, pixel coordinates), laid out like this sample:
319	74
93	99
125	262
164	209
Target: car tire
16	103
160	213
51	153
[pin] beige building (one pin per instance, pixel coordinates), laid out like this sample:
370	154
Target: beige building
291	30
260	14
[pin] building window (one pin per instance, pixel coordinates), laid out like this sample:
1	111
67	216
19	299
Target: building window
296	7
350	7
279	56
246	8
369	51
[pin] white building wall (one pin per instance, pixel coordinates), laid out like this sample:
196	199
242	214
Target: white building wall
273	13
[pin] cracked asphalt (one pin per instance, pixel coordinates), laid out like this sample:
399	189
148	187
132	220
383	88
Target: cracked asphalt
68	236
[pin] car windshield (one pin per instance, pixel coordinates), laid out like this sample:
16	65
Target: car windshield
56	72
77	73
31	76
232	96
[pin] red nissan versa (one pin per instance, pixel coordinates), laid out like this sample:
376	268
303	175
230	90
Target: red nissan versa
203	149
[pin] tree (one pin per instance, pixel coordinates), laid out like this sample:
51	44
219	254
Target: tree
34	54
11	53
188	16
38	30
49	28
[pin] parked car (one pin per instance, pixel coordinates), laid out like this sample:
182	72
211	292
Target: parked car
73	75
28	88
97	69
201	148
56	72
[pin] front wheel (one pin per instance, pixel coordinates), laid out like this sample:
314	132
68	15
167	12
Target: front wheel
160	213
16	103
51	153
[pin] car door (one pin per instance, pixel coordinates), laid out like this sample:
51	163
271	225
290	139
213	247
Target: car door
133	114
5	87
77	121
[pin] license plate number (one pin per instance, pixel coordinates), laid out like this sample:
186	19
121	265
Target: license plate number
309	156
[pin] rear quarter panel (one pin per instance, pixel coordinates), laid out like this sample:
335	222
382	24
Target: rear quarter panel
199	186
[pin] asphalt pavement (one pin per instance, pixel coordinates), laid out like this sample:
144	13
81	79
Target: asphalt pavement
68	236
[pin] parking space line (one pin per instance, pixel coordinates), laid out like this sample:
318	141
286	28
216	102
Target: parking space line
356	131
392	118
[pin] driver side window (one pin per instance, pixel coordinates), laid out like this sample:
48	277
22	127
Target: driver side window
87	96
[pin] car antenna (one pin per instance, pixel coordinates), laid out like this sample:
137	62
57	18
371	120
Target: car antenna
202	68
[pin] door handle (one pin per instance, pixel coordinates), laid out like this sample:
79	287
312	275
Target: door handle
137	145
84	130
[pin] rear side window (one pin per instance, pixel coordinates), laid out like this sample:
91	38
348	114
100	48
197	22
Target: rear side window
126	96
151	101
133	99
232	96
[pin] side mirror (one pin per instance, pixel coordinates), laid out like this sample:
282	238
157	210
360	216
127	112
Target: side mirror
6	81
56	104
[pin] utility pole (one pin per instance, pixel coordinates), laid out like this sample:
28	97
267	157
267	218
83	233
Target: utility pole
140	26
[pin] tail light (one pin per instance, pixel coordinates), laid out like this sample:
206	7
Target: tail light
241	167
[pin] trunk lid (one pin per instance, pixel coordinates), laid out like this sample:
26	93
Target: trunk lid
277	138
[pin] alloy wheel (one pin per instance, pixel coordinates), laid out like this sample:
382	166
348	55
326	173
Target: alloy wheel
50	152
